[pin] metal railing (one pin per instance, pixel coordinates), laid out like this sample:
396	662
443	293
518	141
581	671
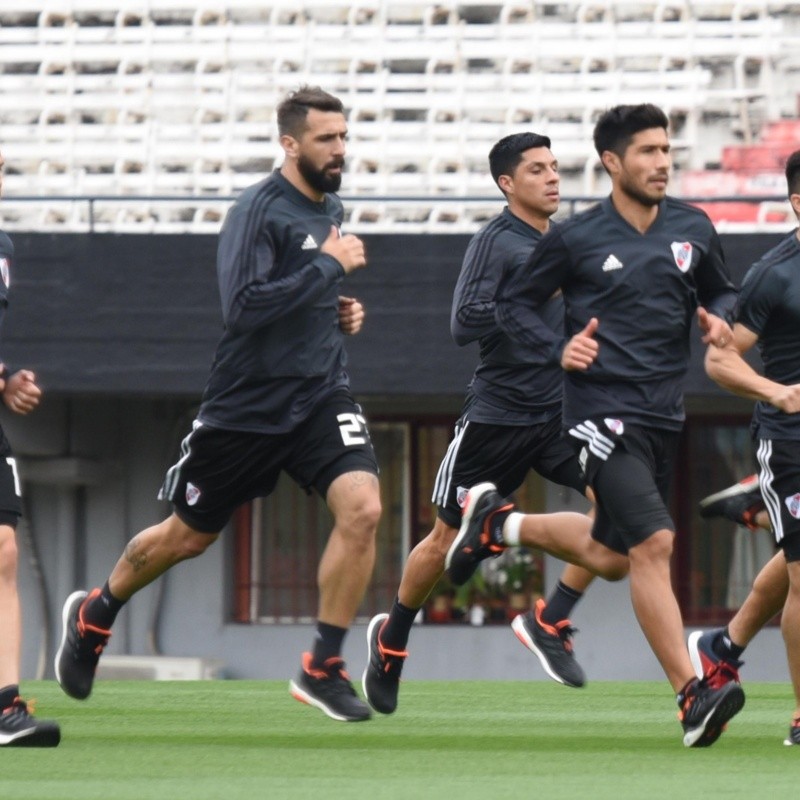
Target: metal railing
771	203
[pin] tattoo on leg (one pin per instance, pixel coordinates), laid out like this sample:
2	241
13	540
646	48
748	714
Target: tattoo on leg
358	479
134	555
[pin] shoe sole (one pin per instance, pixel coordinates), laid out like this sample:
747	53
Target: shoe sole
713	725
731	491
377	620
66	613
33	738
304	697
521	632
694	653
475	493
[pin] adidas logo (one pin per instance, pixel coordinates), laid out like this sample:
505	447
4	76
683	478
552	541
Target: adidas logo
612	263
310	244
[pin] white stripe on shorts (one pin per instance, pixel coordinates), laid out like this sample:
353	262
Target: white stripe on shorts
768	493
173	473
444	476
598	443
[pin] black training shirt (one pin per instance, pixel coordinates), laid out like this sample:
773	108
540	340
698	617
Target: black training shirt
513	384
643	289
769	306
282	350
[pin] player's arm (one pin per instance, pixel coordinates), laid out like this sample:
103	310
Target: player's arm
522	291
263	299
727	367
716	293
473	311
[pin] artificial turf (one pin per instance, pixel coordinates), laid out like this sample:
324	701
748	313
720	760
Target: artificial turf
226	740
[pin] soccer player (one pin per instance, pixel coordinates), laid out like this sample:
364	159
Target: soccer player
20	393
767	315
633	270
278	398
511	423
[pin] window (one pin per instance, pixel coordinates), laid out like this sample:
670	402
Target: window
716	560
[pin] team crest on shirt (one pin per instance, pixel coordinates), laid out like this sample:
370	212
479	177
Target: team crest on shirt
615	425
461	496
192	494
4	272
793	504
682	252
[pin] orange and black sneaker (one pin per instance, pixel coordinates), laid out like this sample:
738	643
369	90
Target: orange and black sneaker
329	689
739	503
381	678
794	733
716	669
19	728
81	646
552	645
705	710
481	533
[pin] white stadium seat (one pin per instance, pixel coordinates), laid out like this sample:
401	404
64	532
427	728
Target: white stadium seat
149	98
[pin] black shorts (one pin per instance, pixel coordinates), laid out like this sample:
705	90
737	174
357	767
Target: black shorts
503	455
630	469
779	479
221	469
10	493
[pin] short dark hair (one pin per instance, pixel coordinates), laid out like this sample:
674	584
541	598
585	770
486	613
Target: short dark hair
507	153
293	110
616	127
793	173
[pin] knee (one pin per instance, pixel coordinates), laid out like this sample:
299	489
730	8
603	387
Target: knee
618	569
187	542
196	544
9	556
655	549
359	523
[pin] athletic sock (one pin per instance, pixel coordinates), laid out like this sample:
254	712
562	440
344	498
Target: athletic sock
724	647
560	603
327	643
511	528
102	610
396	629
8	694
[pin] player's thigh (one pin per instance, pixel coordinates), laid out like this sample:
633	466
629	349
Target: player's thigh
220	470
779	479
554	456
333	454
479	453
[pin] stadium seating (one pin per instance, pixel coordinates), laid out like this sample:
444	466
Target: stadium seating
174	100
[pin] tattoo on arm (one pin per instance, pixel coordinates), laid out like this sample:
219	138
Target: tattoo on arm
134	555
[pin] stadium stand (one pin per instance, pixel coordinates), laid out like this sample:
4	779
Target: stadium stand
173	99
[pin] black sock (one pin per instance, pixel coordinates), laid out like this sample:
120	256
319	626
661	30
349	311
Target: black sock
397	629
8	694
723	646
327	643
102	609
560	603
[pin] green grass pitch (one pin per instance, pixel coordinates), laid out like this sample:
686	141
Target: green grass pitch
226	740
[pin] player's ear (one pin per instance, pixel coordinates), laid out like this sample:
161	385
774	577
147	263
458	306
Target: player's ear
506	184
290	145
611	162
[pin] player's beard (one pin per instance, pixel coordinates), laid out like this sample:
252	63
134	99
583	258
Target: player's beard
319	179
639	195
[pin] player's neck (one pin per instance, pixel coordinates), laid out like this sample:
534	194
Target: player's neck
637	214
539	221
292	174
